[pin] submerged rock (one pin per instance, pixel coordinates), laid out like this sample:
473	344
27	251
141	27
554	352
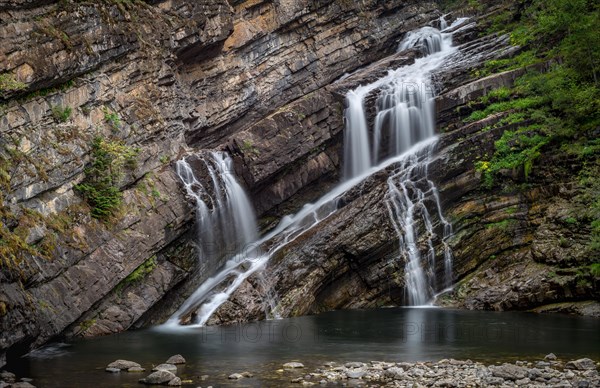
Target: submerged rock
235	376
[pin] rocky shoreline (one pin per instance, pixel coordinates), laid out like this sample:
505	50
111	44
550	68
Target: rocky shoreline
457	373
550	372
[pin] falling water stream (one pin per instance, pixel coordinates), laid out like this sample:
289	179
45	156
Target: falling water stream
405	121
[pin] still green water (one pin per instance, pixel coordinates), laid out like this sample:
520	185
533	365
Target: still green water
392	334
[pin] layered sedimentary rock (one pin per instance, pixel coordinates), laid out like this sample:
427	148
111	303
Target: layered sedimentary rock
162	78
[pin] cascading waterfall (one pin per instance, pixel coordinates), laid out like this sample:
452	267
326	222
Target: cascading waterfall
224	216
405	115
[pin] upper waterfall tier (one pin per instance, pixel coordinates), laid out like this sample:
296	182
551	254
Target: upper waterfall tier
404	107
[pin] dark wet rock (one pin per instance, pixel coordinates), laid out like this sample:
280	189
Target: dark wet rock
158	378
176	360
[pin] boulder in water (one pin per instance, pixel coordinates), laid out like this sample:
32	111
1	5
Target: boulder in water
158	377
176	360
135	369
176	382
123	364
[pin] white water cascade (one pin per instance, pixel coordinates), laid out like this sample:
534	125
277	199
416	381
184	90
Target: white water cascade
405	115
225	219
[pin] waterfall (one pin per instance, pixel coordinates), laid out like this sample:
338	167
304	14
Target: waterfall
404	117
225	220
403	136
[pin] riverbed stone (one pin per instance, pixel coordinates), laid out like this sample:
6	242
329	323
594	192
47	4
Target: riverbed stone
158	377
550	357
293	365
136	369
581	364
7	376
168	367
176	360
113	370
176	382
123	364
355	373
509	372
354	365
235	376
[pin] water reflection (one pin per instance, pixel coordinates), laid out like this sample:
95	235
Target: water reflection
393	334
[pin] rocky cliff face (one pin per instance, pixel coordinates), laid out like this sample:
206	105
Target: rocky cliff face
159	79
262	80
513	250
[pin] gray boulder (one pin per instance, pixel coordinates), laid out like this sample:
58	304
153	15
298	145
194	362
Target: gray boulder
168	367
123	364
581	364
508	372
176	360
158	377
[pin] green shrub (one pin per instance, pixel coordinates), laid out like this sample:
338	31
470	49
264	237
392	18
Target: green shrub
8	82
112	119
61	114
100	187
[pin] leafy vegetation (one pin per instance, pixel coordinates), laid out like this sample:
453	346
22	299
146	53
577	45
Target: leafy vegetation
558	106
138	274
8	82
61	113
112	118
101	185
